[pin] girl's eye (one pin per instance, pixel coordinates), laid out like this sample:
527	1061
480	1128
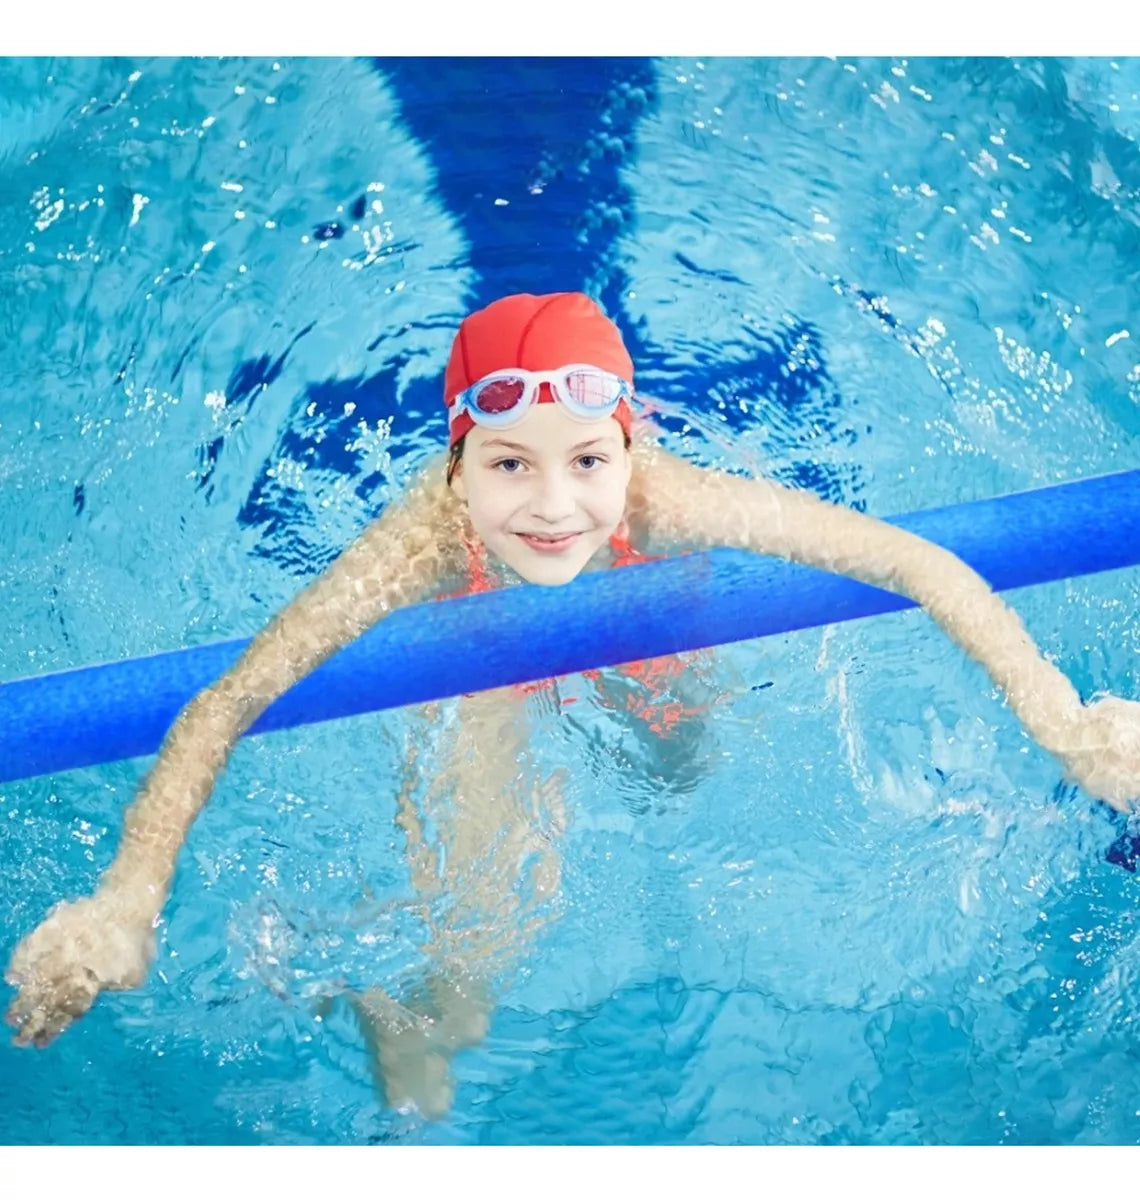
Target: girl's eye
509	466
591	461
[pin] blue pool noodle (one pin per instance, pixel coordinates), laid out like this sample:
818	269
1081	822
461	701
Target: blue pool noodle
428	651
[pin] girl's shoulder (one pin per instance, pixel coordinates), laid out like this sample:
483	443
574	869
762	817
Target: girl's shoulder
658	472
426	524
664	497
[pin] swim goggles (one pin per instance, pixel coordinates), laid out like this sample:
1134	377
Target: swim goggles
502	398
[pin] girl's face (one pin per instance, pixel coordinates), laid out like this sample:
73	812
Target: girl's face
545	495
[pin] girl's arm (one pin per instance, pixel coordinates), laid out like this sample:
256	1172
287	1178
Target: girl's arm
107	940
1099	744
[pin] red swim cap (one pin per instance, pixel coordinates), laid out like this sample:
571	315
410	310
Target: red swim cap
536	333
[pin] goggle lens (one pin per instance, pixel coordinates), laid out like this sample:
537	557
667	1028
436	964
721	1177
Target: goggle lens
593	389
499	395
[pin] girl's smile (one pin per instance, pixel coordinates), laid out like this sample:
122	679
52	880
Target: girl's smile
548	544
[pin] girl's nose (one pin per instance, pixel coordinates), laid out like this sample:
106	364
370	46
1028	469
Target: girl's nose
553	500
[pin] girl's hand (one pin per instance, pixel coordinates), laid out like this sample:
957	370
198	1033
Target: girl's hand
1105	756
82	948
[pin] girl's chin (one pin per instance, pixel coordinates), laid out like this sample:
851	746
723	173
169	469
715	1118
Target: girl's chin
548	564
547	568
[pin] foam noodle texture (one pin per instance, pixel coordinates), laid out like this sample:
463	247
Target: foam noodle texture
429	651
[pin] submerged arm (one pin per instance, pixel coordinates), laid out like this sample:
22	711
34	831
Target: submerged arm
107	941
1099	744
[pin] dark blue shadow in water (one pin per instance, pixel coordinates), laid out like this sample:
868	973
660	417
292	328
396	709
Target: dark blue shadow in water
549	136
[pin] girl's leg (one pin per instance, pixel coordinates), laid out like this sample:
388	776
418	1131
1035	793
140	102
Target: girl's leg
491	885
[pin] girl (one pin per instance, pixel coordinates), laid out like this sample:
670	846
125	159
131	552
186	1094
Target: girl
544	479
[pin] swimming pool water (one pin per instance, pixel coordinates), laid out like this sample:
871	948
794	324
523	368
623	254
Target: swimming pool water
859	905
